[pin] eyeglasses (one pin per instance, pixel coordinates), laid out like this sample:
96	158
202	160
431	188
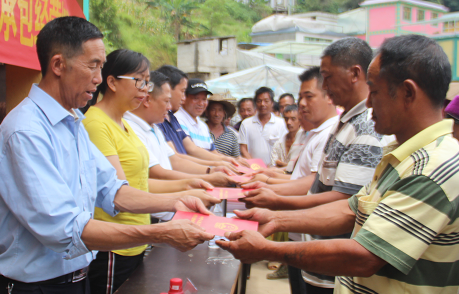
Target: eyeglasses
139	84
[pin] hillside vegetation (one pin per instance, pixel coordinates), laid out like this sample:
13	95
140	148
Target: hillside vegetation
153	27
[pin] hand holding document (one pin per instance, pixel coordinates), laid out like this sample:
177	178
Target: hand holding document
228	193
255	164
217	225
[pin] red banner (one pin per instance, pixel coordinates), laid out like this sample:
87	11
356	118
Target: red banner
20	22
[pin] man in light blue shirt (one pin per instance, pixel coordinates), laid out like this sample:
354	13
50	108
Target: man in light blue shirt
53	176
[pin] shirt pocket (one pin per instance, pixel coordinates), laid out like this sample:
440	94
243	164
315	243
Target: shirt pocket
328	172
365	207
272	140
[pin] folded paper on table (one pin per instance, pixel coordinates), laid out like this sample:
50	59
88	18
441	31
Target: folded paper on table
228	193
217	225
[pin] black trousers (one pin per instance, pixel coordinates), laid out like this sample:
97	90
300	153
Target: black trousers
109	270
299	286
81	287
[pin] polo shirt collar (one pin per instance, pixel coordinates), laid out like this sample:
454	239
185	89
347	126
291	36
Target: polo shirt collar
421	139
134	118
325	124
358	109
50	107
188	117
272	119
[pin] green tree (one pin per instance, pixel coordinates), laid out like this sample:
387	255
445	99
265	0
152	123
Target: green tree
215	12
175	13
104	15
331	6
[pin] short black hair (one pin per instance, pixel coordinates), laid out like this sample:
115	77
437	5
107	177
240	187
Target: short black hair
348	52
262	90
276	106
158	80
312	73
245	100
174	74
64	35
285	95
290	108
119	62
420	59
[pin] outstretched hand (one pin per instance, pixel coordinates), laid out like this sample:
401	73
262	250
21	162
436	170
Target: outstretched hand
266	219
262	197
247	246
192	204
184	235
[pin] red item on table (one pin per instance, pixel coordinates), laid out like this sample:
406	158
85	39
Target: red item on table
217	225
176	286
256	163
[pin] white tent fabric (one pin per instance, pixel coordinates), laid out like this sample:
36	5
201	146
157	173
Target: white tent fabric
248	59
241	84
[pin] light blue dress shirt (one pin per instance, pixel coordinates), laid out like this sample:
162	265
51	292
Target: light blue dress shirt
51	178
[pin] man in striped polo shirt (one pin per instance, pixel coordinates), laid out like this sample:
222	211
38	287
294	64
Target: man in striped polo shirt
405	222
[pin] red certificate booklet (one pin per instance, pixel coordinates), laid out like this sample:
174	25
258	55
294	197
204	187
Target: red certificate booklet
228	193
217	225
255	164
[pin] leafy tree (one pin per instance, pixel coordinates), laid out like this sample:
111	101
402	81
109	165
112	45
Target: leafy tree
331	6
104	15
176	13
216	13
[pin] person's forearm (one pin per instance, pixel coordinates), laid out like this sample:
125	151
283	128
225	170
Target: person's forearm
106	236
166	186
187	166
198	160
277	181
338	257
165	174
299	186
204	154
308	201
244	151
326	220
129	199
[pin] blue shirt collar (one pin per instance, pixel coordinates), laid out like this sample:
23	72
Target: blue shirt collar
50	107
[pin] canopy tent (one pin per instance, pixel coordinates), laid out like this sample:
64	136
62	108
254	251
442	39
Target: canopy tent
294	48
241	84
248	59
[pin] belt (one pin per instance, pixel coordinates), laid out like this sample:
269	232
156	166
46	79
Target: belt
74	277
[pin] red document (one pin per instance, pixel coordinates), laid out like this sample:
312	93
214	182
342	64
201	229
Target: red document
217	225
228	193
255	164
240	179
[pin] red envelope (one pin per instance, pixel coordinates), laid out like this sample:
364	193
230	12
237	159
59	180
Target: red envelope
217	225
244	169
228	193
240	179
256	163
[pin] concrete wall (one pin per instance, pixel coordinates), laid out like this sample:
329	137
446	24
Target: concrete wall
207	58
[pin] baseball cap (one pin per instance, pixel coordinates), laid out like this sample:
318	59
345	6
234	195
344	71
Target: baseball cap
196	86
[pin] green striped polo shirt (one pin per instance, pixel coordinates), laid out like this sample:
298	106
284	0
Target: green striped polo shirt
408	216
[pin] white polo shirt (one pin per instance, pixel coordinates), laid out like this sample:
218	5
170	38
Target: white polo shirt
196	129
260	140
153	139
309	159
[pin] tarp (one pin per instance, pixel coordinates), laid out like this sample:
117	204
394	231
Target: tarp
20	23
241	84
248	59
294	48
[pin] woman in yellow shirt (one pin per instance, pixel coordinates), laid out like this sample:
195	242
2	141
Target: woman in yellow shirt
125	85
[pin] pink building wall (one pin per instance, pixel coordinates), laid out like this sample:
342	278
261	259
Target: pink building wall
382	18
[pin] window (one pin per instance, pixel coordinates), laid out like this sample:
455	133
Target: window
407	13
421	14
223	44
448	27
434	16
316	40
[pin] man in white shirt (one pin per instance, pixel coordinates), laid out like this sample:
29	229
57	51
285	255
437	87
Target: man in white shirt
164	163
258	133
188	115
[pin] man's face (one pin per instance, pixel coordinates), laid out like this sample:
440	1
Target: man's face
287	100
178	95
246	109
314	103
337	81
81	74
387	110
196	104
215	113
159	103
264	103
292	121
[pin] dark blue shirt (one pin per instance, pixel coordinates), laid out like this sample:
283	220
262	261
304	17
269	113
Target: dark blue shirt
173	132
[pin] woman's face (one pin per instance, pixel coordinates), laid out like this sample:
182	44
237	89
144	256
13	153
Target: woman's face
129	97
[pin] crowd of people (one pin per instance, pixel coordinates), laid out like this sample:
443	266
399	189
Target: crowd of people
359	195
